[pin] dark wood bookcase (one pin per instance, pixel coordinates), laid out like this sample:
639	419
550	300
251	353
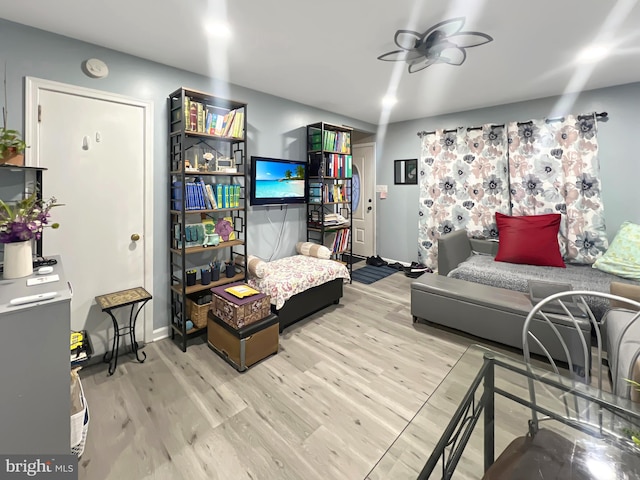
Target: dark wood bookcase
207	145
329	186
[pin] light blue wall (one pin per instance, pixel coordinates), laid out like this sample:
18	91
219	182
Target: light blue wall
397	216
276	127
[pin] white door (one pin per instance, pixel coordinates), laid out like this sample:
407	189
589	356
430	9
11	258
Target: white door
94	150
364	211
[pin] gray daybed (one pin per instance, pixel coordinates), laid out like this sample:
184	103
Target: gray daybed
488	299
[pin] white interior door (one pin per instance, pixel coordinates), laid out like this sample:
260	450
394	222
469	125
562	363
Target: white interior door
94	150
364	211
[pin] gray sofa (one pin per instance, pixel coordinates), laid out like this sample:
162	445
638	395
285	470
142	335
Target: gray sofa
476	295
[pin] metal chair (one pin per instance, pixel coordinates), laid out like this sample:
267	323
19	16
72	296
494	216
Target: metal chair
567	301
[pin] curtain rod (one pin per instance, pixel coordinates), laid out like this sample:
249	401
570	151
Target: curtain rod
602	115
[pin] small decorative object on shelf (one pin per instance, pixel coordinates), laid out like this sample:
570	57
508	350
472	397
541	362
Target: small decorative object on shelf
20	224
207	166
11	144
330	188
11	147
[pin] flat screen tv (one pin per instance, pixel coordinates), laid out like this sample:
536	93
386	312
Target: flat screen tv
276	181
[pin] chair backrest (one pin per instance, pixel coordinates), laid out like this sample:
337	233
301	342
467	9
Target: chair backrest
545	311
540	312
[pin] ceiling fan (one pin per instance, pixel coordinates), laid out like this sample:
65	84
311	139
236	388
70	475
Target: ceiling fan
442	43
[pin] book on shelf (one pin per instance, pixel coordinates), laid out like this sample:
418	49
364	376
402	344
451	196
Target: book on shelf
201	118
228	123
187	113
209	122
193	116
205	196
217	125
211	196
176	196
334	219
315	139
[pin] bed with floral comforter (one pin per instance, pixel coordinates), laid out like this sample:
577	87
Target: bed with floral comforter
289	276
300	285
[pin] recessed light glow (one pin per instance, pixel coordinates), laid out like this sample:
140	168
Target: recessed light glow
217	29
389	101
593	54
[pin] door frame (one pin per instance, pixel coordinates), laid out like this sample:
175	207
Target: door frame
375	198
33	87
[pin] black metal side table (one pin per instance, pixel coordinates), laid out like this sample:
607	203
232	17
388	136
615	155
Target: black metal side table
112	301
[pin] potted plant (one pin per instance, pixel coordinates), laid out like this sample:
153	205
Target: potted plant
20	223
11	144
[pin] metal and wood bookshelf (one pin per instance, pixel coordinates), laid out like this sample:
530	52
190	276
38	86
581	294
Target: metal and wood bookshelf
329	187
207	145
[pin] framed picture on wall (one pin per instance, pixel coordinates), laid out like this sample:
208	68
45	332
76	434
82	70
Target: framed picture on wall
405	172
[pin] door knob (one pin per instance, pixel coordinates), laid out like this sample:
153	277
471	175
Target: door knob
135	237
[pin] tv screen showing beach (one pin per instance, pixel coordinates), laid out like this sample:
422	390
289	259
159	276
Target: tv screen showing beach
279	180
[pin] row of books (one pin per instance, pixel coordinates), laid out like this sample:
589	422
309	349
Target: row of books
325	193
202	118
333	141
205	196
339	166
340	241
333	165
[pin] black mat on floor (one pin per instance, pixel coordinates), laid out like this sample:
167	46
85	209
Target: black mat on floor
351	259
369	274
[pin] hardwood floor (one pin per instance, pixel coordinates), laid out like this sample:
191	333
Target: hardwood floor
343	386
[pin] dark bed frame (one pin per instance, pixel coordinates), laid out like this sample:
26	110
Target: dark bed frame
310	301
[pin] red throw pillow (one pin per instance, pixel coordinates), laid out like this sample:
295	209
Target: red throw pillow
531	240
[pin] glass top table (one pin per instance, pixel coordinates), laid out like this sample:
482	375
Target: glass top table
494	417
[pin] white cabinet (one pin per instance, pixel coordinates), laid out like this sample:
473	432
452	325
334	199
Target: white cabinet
34	368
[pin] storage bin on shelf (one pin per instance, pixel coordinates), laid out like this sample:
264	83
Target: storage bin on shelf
197	312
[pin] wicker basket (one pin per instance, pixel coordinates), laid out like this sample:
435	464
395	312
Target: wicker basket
197	313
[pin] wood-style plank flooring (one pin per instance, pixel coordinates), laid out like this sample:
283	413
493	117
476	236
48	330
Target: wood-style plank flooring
345	383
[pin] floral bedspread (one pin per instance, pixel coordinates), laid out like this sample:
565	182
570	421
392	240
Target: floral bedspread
289	276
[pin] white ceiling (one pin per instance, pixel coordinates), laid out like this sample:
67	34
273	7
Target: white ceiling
324	53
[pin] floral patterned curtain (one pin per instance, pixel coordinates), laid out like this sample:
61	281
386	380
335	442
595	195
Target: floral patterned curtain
463	182
554	168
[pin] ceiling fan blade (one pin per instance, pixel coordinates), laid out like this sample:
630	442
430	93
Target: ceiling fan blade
470	39
453	56
407	39
448	27
416	67
395	56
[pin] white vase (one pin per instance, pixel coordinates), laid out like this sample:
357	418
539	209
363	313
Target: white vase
18	259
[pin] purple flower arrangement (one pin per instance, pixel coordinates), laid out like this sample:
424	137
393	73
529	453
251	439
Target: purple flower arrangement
25	219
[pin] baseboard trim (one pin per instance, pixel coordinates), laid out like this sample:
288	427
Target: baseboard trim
160	333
